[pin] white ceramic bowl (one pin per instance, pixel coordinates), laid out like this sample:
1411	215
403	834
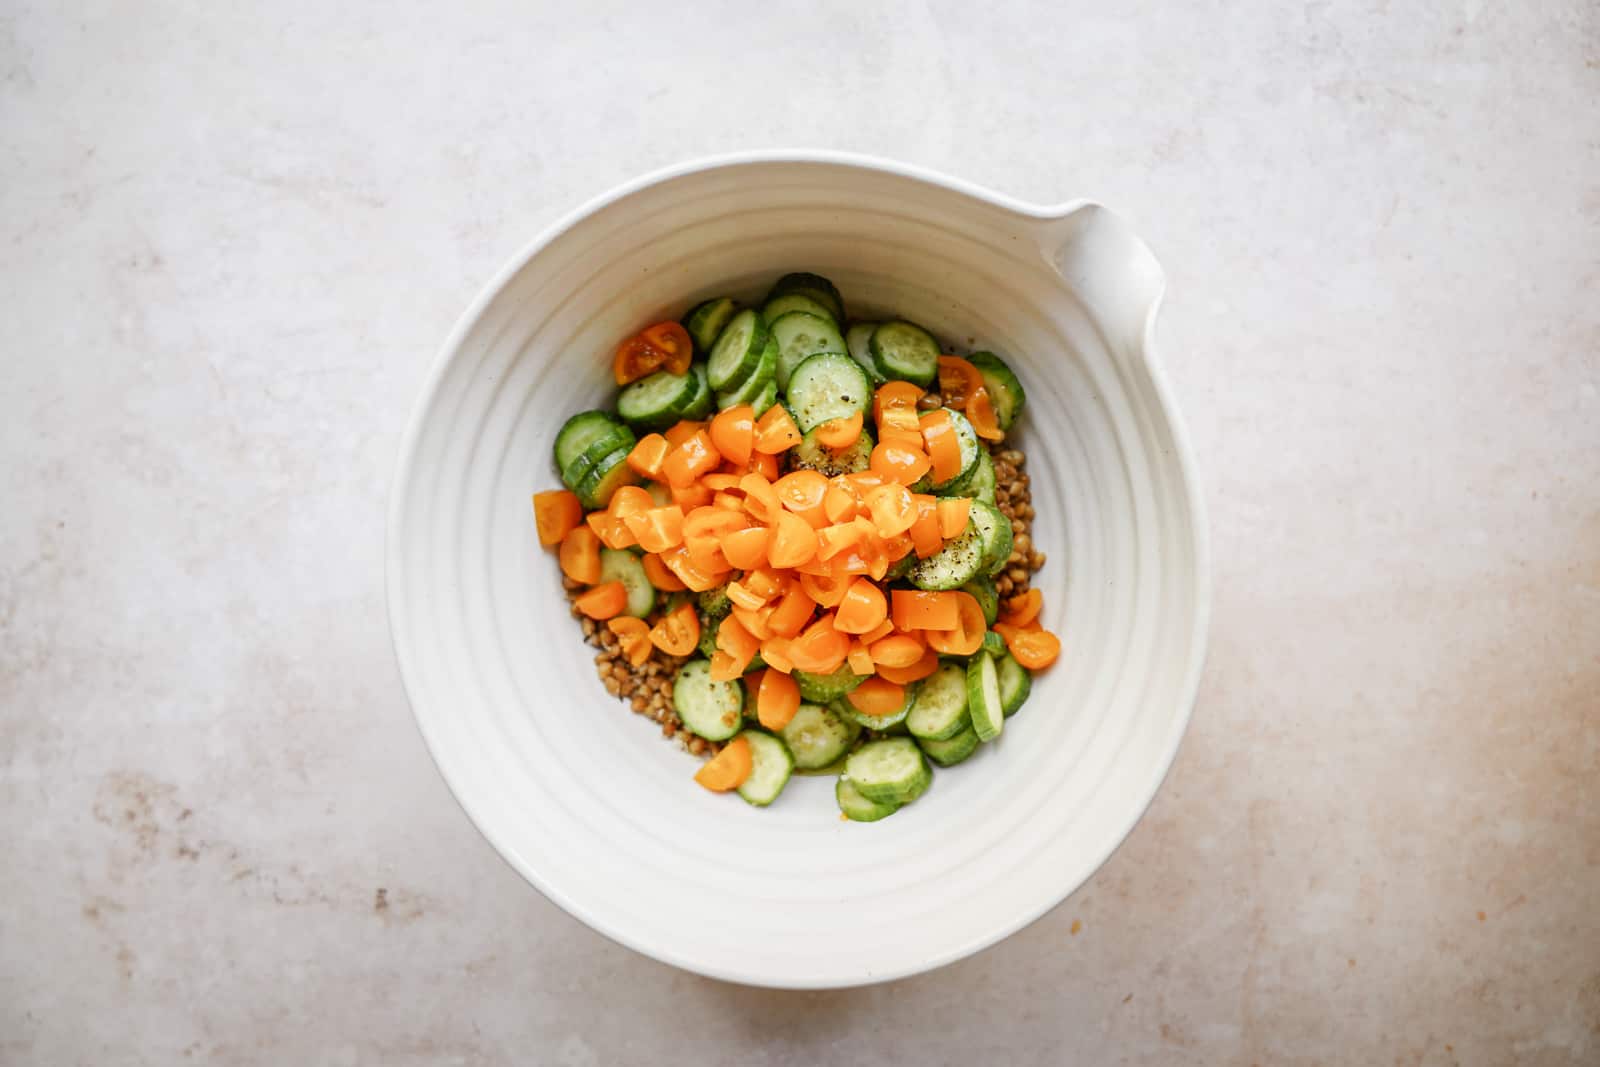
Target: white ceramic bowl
583	797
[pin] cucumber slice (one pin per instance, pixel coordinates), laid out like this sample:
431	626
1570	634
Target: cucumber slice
607	476
878	722
940	710
738	349
971	449
704	401
767	397
1015	683
953	566
581	431
827	386
770	768
714	710
1005	389
993	644
890	771
901	567
802	335
983	697
994	530
907	351
706	321
952	751
979	484
618	438
811	456
817	736
815	286
658	400
619	565
822	688
779	306
858	339
858	808
747	390
983	591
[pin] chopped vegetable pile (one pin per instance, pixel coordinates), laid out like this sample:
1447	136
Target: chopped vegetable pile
825	531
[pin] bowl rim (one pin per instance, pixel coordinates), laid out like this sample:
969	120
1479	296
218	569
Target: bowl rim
1183	454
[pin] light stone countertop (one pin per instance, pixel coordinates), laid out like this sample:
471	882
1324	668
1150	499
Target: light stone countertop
234	236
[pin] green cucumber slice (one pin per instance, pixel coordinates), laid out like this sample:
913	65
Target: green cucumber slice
827	386
994	531
802	335
770	768
605	478
983	697
953	750
1005	388
781	305
581	431
858	339
940	710
658	400
766	398
905	350
620	565
815	286
750	389
980	483
993	644
858	808
706	320
823	688
714	710
818	736
738	349
1015	683
618	438
889	771
953	566
971	449
988	598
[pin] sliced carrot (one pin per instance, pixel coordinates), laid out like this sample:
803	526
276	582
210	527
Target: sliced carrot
734	433
801	494
775	650
682	431
892	510
760	498
877	696
776	431
897	650
657	529
660	577
648	454
678	632
980	412
825	589
914	673
691	459
862	608
777	699
729	768
633	637
693	496
944	448
793	541
898	463
917	609
957	379
792	612
1023	609
840	433
746	548
860	658
556	512
580	555
1034	649
966	637
603	601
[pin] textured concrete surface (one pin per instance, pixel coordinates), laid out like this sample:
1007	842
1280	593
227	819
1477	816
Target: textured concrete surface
233	235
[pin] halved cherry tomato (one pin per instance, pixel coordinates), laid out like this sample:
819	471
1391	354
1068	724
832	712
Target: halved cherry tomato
678	562
878	632
860	658
957	380
556	512
777	699
657	529
944	448
690	460
897	463
580	555
801	493
603	601
719	482
1034	649
678	632
877	696
753	620
672	340
892	510
897	650
862	608
724	668
839	504
760	499
746	548
734	433
706	554
826	589
741	596
636	358
792	612
1023	609
840	433
709	521
682	430
793	541
832	540
953	514
727	501
633	637
925	533
776	431
980	412
775	650
820	649
629	500
766	583
612	531
966	637
648	455
660	576
736	641
917	609
914	673
894	396
729	768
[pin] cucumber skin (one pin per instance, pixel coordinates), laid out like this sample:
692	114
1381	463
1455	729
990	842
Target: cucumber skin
826	688
856	807
953	750
1004	386
620	565
765	746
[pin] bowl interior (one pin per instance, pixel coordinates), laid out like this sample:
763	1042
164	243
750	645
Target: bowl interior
585	798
